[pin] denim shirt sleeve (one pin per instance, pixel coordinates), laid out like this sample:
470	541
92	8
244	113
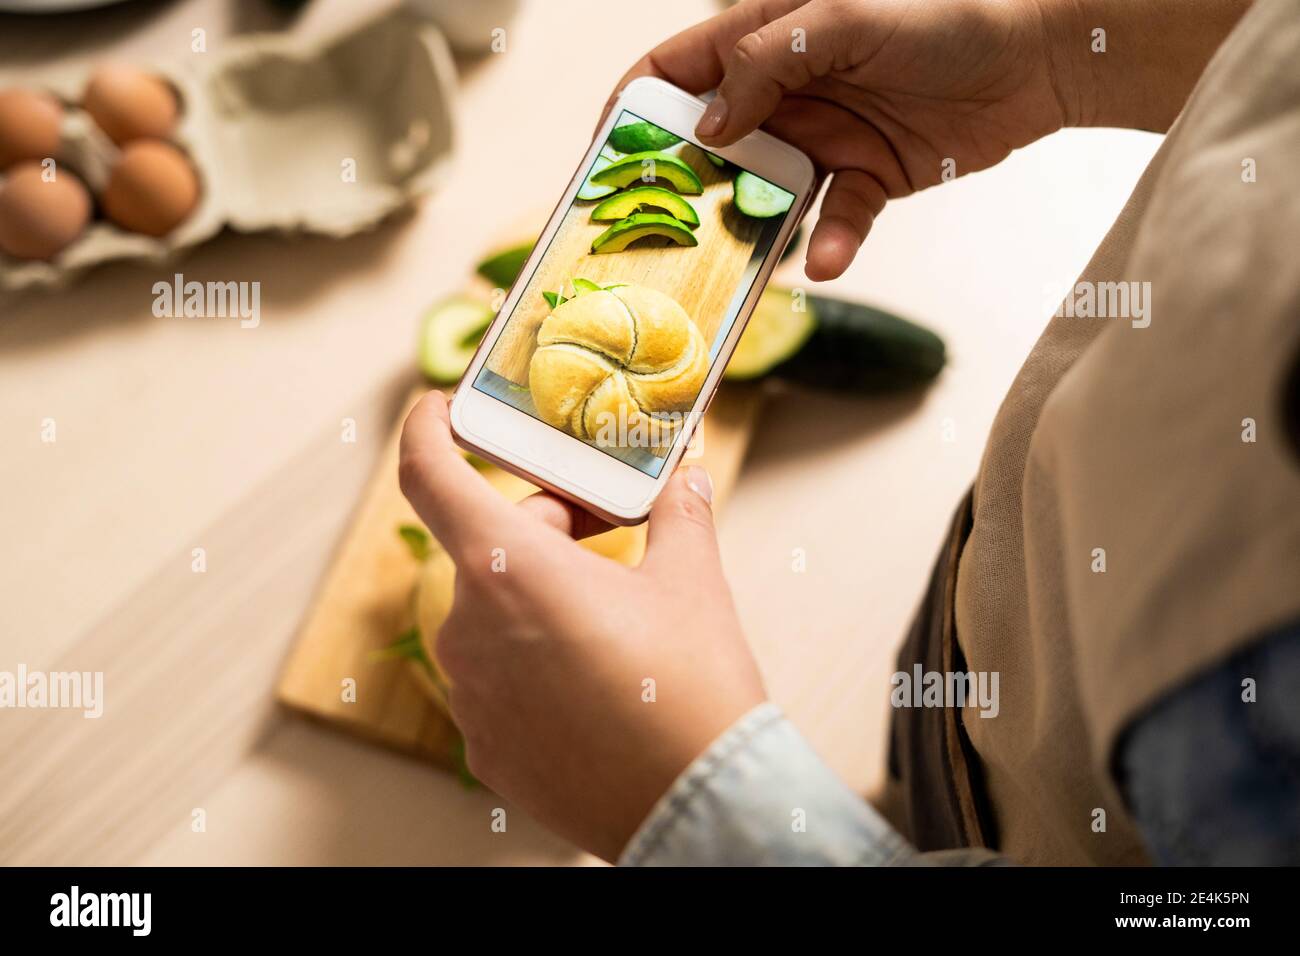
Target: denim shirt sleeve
1209	777
761	796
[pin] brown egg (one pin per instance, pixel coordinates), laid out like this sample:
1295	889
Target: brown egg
39	218
29	125
130	104
152	189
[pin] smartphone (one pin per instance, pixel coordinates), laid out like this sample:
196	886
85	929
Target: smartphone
604	356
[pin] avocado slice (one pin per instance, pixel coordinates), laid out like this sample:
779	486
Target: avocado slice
758	198
669	169
622	205
626	231
450	334
502	268
641	137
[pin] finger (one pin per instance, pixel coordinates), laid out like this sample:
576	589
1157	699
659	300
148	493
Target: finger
447	492
765	64
682	540
853	200
694	58
834	137
564	516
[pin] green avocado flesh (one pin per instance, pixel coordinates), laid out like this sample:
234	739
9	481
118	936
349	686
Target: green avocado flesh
626	231
758	198
641	137
502	267
776	332
624	204
451	332
669	169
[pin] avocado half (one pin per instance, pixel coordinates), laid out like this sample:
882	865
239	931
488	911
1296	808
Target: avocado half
641	137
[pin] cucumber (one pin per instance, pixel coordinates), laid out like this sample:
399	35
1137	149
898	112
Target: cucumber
450	334
618	236
590	190
502	268
641	137
863	350
775	333
715	159
629	201
759	199
667	168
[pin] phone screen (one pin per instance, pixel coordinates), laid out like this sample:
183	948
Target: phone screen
618	326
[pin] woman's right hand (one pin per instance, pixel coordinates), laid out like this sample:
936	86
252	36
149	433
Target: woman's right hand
890	96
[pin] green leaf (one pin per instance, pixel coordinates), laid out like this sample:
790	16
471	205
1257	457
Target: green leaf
554	299
585	285
407	646
466	776
417	539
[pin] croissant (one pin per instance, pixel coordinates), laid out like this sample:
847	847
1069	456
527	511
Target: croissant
615	362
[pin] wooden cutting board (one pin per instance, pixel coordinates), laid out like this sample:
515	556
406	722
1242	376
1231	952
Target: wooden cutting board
365	602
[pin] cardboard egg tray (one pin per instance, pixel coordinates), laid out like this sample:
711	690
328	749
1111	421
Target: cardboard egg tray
327	136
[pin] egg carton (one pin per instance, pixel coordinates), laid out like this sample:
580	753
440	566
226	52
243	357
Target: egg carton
326	136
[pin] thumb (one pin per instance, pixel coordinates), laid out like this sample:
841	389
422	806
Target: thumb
681	537
762	67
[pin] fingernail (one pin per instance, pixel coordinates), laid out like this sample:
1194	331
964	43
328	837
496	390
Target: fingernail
698	480
714	118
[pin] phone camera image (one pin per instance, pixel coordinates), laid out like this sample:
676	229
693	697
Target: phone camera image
617	328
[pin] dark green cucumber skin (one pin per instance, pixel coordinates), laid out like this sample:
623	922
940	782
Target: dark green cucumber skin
858	349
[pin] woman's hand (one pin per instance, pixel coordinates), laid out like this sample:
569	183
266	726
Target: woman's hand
890	96
549	646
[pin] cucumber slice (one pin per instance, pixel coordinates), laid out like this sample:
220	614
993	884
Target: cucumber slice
776	332
669	169
591	190
626	231
758	198
502	268
641	137
625	203
451	332
859	349
715	159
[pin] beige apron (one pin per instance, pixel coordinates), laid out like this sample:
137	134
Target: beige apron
1128	446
